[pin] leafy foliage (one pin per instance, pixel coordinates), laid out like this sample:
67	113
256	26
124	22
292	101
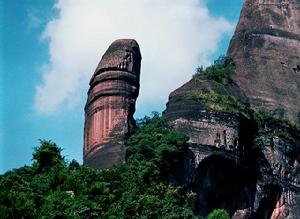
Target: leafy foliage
220	71
269	117
54	188
218	214
281	128
156	143
219	102
47	155
214	98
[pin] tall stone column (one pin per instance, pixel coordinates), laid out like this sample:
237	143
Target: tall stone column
110	106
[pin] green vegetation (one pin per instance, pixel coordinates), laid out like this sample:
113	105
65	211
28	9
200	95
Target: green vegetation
218	214
269	117
281	129
283	135
55	188
156	143
258	143
220	71
215	101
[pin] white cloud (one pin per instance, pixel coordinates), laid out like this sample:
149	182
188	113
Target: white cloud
174	37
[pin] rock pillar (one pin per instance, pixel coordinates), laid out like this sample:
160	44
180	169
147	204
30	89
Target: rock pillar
110	106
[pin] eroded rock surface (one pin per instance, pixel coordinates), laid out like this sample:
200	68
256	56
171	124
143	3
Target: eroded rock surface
266	50
216	164
249	166
110	106
219	130
278	162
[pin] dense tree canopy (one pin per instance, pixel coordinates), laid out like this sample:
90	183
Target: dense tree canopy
55	188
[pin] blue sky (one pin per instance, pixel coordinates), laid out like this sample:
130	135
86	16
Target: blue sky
42	96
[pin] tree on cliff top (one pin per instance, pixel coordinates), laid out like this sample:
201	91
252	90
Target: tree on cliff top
220	71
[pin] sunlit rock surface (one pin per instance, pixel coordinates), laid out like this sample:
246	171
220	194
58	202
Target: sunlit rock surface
110	106
266	49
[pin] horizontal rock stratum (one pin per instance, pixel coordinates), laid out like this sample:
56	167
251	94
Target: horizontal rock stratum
110	106
266	49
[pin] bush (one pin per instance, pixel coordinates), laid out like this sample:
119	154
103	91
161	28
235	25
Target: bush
156	143
218	102
218	214
270	117
220	71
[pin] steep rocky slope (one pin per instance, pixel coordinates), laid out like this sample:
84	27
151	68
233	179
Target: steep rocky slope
278	166
109	110
215	116
246	162
266	49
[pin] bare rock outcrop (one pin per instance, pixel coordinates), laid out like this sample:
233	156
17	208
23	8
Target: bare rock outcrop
110	106
266	50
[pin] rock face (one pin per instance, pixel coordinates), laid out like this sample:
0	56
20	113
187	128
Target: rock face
278	162
249	166
266	50
204	126
216	164
110	106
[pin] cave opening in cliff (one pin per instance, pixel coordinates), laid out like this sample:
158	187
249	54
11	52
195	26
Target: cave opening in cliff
222	183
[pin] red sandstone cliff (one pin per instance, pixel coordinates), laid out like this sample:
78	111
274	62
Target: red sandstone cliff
266	49
110	106
247	166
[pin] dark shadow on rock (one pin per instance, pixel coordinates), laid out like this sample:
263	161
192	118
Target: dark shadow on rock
268	202
221	183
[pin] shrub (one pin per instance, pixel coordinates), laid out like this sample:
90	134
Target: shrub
218	102
157	143
220	71
269	117
218	214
